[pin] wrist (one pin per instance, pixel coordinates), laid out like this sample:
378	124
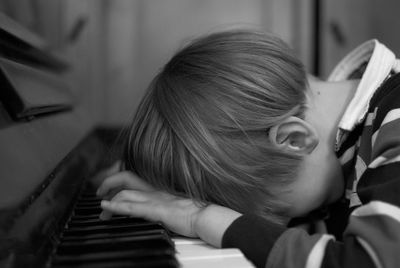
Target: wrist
212	221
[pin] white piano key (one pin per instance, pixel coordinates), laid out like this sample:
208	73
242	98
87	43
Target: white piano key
194	253
180	240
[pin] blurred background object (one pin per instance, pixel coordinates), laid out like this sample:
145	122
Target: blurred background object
115	47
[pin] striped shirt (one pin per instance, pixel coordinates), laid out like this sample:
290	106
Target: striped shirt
363	229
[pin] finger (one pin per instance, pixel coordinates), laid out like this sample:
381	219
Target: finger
105	215
118	180
132	196
112	193
114	168
123	180
141	210
126	180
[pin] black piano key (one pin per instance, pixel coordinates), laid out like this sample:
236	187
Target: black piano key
92	217
138	254
112	221
87	230
84	217
93	222
88	191
164	262
150	242
88	195
120	233
89	199
87	205
87	210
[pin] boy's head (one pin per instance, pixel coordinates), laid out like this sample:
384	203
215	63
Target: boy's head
203	129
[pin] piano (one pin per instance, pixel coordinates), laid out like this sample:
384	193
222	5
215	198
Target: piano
50	151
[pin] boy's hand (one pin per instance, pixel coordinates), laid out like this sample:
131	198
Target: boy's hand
129	195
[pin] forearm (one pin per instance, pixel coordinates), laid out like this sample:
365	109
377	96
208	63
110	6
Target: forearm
223	227
212	222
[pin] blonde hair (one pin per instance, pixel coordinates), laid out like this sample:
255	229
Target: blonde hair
201	129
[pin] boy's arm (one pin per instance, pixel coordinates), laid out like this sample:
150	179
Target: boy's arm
212	222
254	236
371	239
125	193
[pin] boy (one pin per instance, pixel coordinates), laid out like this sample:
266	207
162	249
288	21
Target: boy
233	142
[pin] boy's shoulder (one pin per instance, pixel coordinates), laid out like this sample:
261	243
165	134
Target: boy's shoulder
385	99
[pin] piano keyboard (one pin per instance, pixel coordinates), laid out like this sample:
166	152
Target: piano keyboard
124	241
120	241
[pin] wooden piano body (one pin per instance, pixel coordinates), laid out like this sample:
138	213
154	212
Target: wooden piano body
49	150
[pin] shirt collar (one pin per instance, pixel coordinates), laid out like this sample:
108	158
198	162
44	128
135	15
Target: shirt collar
380	62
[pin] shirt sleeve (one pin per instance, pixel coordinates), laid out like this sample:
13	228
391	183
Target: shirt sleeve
371	239
254	236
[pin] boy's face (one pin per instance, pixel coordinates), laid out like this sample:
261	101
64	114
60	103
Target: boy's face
320	182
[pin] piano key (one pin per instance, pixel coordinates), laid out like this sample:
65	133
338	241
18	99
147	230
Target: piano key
151	242
116	234
92	217
113	255
112	221
87	194
214	258
111	228
182	240
87	205
195	253
165	262
89	199
86	210
85	217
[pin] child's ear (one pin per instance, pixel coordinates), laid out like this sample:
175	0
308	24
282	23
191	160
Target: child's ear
294	135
